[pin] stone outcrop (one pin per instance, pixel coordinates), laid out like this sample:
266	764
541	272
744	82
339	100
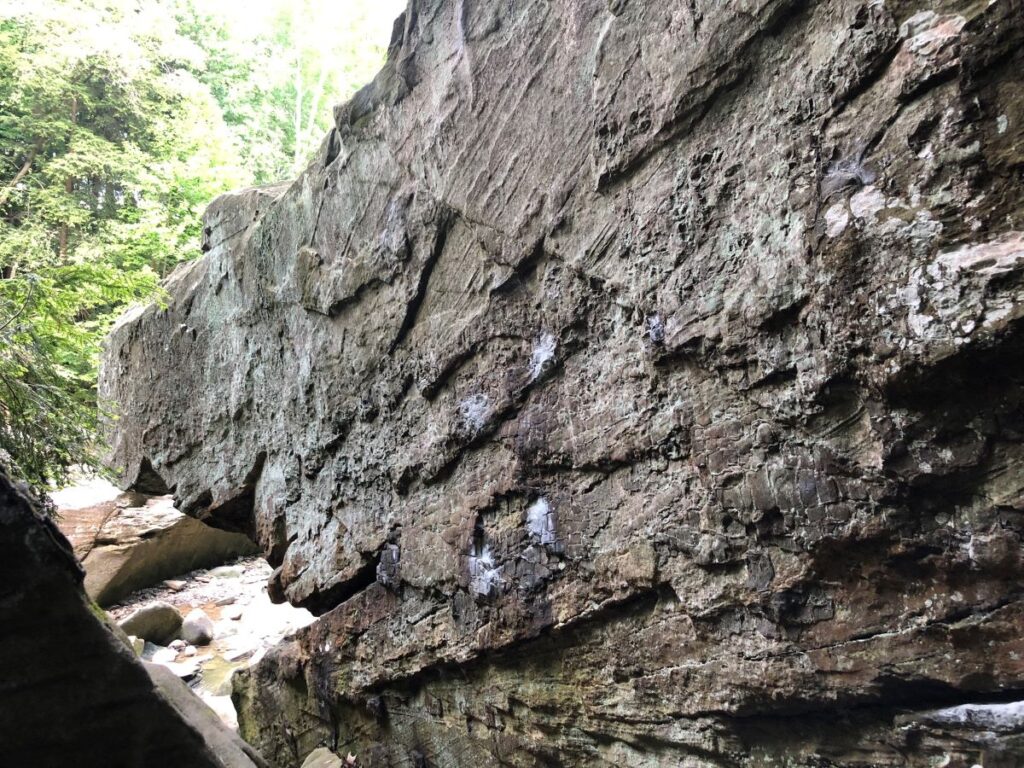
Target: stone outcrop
625	384
71	690
136	541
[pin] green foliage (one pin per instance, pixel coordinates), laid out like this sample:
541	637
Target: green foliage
277	67
119	121
110	148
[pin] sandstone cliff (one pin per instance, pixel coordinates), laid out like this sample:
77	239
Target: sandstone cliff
626	384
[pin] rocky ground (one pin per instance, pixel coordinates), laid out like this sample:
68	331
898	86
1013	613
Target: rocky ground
246	624
233	596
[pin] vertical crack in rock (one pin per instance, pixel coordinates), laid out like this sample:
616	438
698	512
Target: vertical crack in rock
444	220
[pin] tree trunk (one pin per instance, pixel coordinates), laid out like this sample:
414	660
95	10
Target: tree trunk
21	174
314	106
69	188
297	117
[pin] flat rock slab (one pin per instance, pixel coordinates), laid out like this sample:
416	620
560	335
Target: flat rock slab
136	541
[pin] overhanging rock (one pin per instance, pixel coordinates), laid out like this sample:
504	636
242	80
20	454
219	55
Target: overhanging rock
628	384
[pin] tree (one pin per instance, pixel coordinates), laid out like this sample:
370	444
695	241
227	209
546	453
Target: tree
109	148
119	121
277	76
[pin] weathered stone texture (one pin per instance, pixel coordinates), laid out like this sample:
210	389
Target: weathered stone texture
627	384
136	541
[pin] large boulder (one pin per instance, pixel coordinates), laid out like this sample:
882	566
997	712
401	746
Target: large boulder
158	622
71	690
136	541
625	383
225	743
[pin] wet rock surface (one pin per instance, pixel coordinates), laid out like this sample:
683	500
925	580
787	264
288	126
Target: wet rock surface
626	384
71	691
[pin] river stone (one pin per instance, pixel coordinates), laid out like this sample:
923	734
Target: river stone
137	541
158	654
322	758
197	628
157	622
624	384
232	613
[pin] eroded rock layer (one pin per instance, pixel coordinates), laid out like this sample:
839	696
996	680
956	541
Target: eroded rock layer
626	384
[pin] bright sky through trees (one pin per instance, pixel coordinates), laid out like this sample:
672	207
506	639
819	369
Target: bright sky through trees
119	121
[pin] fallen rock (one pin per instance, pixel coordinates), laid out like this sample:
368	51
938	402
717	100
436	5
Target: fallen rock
232	613
71	692
137	643
216	738
157	622
197	629
137	541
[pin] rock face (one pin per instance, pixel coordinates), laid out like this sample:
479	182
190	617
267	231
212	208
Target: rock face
136	541
627	384
71	690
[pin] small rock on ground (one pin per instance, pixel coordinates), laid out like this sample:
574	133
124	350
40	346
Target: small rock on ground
232	612
157	622
197	629
322	758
